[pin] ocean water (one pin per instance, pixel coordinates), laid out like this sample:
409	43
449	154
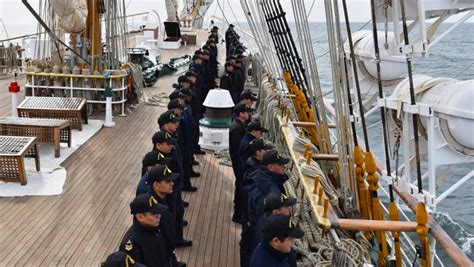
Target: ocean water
446	59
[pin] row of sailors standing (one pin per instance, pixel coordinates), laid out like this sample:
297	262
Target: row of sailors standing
158	209
260	203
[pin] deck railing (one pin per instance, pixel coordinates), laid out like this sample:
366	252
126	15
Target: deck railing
91	87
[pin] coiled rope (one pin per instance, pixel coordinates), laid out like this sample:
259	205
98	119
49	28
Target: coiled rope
317	247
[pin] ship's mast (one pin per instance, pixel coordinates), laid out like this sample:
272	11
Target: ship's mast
93	33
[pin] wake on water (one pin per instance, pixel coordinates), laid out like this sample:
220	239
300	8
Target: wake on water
463	239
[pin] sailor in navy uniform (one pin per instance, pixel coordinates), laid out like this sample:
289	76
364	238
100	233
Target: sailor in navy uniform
254	130
279	234
150	160
255	148
144	242
236	132
120	259
161	180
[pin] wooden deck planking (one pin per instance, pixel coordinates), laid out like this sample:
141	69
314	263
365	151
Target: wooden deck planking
85	206
220	225
193	216
206	221
227	233
218	219
195	212
210	226
80	215
86	223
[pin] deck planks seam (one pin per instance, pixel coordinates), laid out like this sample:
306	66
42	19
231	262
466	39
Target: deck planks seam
75	227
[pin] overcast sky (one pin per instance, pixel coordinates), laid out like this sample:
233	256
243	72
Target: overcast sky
14	12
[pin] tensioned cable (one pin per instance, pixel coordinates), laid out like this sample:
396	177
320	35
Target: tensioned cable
381	96
238	23
412	99
347	178
356	76
310	9
262	44
464	69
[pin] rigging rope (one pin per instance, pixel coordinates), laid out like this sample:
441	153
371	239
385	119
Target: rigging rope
355	73
317	248
412	97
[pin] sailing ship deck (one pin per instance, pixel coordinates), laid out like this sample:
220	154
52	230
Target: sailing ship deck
86	223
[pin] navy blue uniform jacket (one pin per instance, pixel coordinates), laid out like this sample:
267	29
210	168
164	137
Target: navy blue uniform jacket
244	154
265	255
261	183
146	246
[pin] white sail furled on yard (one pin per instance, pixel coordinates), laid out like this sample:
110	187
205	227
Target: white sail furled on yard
172	9
72	14
194	11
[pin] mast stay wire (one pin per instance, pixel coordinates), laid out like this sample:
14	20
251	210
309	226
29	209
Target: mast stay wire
254	27
412	97
273	61
310	9
356	77
381	96
374	203
316	93
463	69
337	84
349	184
280	45
236	20
393	209
309	62
309	57
257	26
277	15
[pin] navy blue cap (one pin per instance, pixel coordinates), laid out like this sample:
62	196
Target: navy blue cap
167	117
163	137
155	157
256	126
272	157
146	203
183	79
161	173
241	107
279	225
247	94
275	201
257	144
175	104
175	95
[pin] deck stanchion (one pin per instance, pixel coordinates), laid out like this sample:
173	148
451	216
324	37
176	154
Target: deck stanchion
14	89
108	113
108	104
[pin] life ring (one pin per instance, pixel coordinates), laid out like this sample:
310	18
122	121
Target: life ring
185	38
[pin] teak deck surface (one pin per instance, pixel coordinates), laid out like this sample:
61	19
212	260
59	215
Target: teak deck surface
86	223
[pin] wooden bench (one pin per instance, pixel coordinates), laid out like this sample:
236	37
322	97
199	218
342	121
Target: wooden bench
67	108
13	150
45	130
